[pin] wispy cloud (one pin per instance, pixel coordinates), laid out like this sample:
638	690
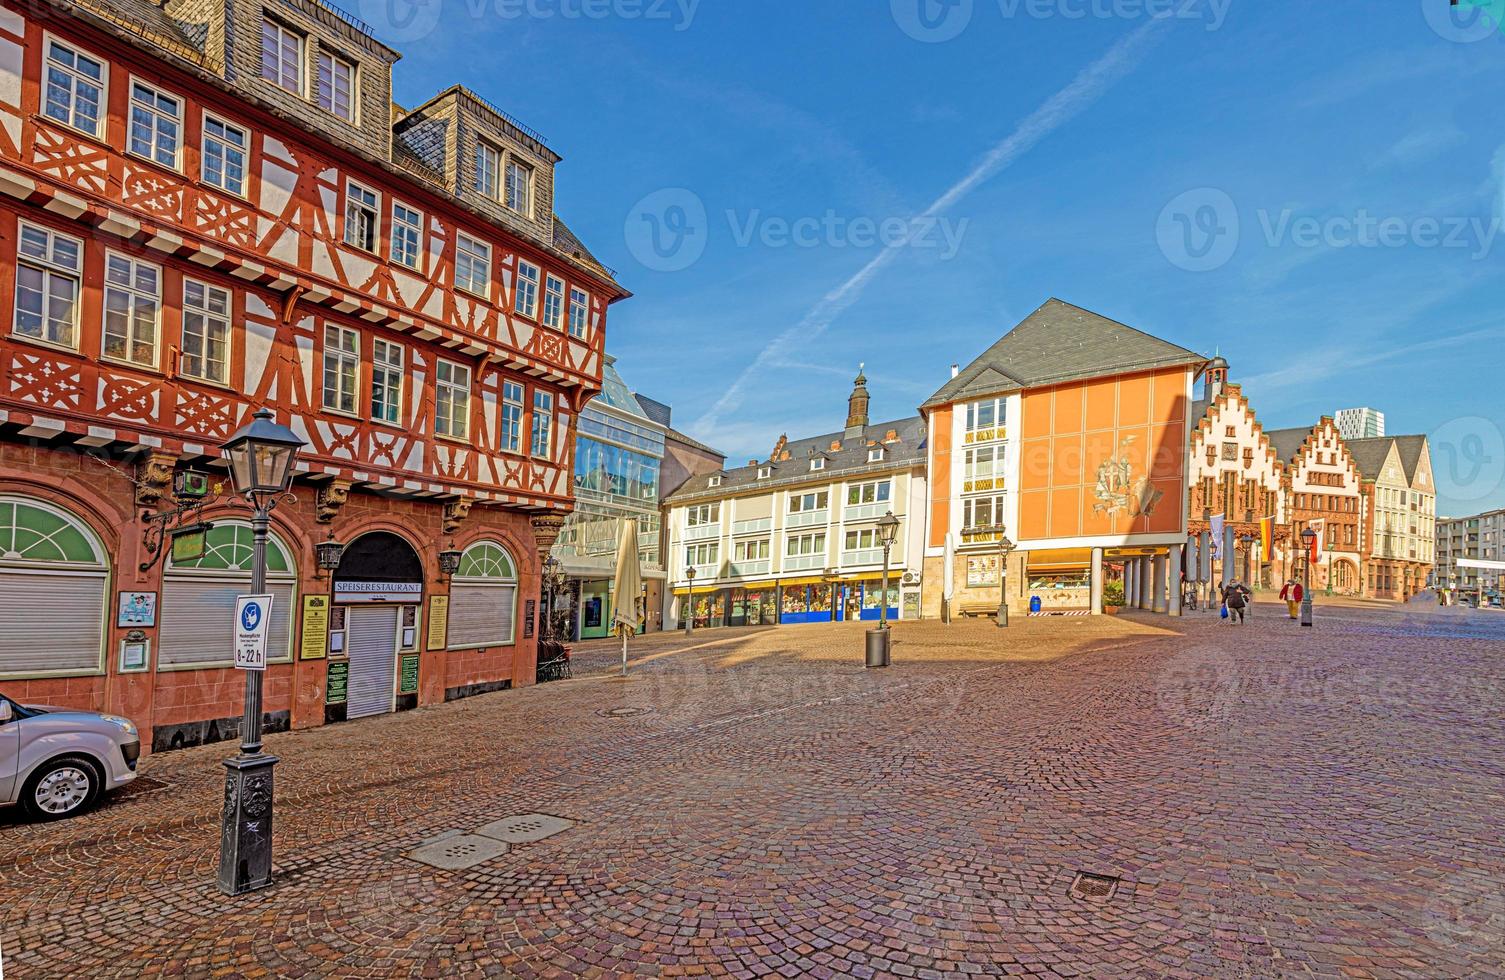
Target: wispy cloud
1315	366
1417	147
1088	86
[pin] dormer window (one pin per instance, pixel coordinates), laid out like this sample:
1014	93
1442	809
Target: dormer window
764	472
282	56
714	481
817	463
334	89
520	188
875	455
488	170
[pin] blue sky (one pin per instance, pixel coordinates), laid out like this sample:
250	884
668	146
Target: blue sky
1104	159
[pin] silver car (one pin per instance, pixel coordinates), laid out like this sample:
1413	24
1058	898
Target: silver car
57	762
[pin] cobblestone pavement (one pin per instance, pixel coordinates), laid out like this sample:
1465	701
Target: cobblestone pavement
1273	802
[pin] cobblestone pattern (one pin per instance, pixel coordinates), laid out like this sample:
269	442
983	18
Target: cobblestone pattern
1276	802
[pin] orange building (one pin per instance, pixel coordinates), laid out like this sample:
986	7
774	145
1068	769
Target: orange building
1069	437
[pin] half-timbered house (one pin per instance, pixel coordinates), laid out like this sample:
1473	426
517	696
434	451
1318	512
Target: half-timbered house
210	207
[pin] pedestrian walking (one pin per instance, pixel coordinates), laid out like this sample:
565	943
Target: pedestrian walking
1292	594
1233	598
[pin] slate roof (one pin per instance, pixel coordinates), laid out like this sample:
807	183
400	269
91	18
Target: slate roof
146	19
851	457
1287	442
1411	448
1370	455
679	436
1060	342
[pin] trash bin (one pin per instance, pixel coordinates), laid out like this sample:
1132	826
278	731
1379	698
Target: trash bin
877	647
1034	603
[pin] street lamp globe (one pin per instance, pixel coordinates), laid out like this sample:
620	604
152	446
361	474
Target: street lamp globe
261	456
888	529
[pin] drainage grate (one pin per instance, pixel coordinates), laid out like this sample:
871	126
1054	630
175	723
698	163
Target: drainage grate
526	828
625	711
140	786
1094	887
458	852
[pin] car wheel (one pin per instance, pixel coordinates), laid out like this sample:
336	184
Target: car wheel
61	787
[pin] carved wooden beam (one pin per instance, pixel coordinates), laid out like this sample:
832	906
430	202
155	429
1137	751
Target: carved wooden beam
546	528
331	498
154	477
455	513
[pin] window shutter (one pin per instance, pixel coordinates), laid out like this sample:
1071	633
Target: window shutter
51	622
197	619
481	615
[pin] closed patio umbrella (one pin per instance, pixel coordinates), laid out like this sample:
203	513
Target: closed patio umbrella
627	585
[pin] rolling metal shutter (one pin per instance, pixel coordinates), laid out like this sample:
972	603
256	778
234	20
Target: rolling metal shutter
51	621
372	646
481	615
197	619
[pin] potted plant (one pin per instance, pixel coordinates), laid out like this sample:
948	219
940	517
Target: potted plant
1113	597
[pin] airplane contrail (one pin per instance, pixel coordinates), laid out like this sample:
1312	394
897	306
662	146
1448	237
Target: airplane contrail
1086	88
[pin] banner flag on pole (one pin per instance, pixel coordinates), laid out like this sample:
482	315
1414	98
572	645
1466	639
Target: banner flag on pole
1217	536
1267	539
1319	528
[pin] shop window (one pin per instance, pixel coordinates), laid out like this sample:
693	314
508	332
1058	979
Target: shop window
198	599
54	578
483	598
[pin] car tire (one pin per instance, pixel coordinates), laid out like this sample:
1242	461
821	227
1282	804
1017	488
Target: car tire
62	787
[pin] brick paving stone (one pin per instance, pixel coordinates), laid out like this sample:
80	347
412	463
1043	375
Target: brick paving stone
1277	802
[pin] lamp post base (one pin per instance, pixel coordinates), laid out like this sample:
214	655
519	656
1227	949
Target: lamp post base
245	848
1003	614
877	647
1306	612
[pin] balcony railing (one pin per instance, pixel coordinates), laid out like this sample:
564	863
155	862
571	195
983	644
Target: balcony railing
807	518
864	556
705	573
866	512
701	532
746	569
752	527
803	563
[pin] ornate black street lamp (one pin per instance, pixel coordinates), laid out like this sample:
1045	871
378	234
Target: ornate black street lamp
328	554
879	645
1308	537
690	601
550	578
1004	547
261	458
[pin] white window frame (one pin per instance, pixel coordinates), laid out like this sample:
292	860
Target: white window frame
580	312
710	551
541	436
477	255
299	72
514	406
764	472
701	515
553	302
875	454
345	358
995	502
458	392
353	190
805	503
525	298
752	549
861	492
211	324
388	373
524	189
133	294
334	61
818	463
974	410
714	481
226	149
50	269
410	232
488	176
855	540
158	116
75	77
805	545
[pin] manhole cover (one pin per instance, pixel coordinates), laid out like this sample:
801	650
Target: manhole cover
1094	887
139	786
526	828
458	852
624	711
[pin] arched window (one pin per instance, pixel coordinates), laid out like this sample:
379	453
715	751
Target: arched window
54	580
198	599
483	598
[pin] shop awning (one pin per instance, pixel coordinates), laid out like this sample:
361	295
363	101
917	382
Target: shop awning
807	580
1146	552
754	586
700	590
1051	559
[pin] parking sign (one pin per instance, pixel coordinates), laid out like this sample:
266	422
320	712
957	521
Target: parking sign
253	614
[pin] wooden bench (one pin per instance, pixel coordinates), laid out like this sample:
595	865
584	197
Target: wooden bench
988	609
